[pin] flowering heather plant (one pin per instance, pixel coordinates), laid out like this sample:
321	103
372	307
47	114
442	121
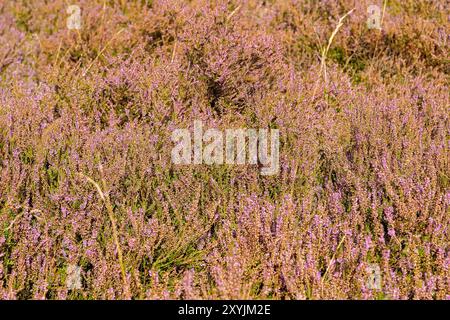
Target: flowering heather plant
92	207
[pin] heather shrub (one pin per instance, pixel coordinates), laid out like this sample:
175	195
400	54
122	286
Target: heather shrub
86	118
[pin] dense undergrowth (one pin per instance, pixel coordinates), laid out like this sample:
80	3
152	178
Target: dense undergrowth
365	170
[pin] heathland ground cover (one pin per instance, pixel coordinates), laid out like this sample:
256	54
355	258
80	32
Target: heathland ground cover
88	188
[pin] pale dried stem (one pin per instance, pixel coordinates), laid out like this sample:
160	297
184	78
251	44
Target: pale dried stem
110	211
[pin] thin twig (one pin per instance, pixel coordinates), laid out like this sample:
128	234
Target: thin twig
323	66
17	217
233	12
101	51
173	51
382	14
112	219
332	258
325	50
